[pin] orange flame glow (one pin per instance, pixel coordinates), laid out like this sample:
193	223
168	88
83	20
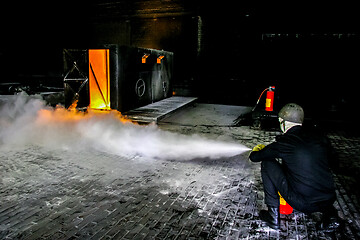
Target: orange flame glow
73	105
60	115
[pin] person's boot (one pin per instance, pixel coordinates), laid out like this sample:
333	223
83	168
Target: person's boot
271	217
330	221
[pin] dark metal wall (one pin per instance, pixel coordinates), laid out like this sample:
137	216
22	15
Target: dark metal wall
137	83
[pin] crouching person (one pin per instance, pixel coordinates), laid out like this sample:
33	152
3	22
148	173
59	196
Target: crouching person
303	178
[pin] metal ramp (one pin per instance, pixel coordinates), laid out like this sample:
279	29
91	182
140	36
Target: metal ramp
158	110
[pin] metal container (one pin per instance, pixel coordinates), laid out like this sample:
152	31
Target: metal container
116	77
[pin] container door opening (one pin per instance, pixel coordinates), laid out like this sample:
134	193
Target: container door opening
99	79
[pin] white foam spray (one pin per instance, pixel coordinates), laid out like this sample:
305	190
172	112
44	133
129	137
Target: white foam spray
26	120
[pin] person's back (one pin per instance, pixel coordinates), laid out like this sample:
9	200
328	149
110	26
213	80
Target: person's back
305	161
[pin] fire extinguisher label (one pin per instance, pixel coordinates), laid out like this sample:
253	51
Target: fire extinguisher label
282	200
268	103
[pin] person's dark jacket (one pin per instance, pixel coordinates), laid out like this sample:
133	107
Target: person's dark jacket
305	158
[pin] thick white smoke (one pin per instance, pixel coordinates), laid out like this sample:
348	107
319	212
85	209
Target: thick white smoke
27	120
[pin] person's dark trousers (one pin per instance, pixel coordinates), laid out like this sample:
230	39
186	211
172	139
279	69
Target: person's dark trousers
274	180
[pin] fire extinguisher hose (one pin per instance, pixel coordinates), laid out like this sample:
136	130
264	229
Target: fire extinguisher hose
259	99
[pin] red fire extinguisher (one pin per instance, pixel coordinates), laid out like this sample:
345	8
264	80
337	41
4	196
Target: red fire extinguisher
285	208
269	103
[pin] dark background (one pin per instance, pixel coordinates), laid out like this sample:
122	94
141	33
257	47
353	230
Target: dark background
226	52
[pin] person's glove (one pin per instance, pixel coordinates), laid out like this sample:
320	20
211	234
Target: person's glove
258	147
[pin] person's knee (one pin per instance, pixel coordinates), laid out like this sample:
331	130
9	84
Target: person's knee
271	171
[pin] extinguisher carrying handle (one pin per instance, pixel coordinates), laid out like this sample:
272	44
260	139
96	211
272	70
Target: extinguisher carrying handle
271	88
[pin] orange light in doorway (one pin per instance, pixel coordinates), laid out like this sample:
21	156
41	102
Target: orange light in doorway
99	79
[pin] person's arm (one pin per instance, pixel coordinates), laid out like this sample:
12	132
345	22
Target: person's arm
267	153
